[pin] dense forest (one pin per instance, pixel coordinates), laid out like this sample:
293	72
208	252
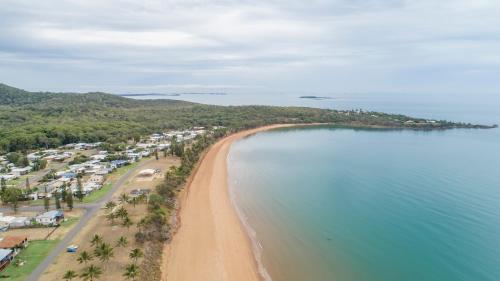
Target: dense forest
30	120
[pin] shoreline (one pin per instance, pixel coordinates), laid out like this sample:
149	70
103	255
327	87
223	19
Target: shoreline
211	241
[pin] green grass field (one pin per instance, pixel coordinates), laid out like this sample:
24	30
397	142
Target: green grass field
97	194
32	256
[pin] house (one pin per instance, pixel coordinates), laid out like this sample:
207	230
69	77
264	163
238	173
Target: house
103	172
21	171
96	179
88	187
6	257
50	218
8	177
118	163
14	243
34	156
69	175
140	191
14	222
99	157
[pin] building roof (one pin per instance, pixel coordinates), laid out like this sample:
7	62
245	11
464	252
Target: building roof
51	214
9	242
4	253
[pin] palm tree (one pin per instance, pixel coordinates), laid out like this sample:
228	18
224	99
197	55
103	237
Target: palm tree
104	252
91	273
69	275
84	257
121	212
96	240
110	205
123	198
122	242
131	271
127	222
135	254
134	201
111	218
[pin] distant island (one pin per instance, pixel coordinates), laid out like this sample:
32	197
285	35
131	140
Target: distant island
315	97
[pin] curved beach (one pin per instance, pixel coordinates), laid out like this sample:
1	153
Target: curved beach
211	243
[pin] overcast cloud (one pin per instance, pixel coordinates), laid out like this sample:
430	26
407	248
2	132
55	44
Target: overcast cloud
251	46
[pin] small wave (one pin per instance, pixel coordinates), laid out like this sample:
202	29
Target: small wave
257	248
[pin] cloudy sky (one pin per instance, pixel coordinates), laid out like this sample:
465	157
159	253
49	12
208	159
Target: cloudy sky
271	46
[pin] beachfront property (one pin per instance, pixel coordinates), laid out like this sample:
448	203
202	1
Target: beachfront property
50	218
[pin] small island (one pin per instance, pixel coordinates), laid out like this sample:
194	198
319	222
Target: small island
315	97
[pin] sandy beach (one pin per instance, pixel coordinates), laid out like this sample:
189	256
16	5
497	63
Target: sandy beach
211	243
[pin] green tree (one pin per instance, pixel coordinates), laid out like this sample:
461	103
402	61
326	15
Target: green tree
46	202
69	199
104	252
58	202
70	275
122	242
131	272
134	201
3	184
28	188
127	222
135	254
111	218
12	196
156	154
64	192
84	257
123	198
79	189
91	273
164	153
96	240
121	212
110	205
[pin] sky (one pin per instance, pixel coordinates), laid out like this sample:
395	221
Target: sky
261	47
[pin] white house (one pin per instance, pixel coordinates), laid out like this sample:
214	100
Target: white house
50	218
21	171
96	179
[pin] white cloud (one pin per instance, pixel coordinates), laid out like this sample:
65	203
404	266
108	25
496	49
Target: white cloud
286	45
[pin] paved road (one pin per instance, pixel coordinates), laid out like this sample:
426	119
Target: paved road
91	211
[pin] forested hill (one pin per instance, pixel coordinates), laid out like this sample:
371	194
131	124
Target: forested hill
30	120
16	97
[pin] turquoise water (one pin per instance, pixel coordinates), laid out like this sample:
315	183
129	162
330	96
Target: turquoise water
341	204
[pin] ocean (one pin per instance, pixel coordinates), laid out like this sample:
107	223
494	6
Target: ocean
341	204
372	205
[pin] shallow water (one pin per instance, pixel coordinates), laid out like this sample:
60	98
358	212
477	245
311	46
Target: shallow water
341	204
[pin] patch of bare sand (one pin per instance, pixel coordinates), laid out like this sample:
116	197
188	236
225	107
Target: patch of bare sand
211	244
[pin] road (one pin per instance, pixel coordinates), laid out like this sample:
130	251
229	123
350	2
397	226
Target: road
92	209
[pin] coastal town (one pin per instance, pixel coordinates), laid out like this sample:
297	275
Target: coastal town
46	194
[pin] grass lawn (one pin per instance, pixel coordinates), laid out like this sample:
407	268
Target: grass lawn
16	182
35	253
97	194
122	170
69	221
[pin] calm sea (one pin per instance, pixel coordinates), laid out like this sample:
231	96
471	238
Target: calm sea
366	205
340	204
